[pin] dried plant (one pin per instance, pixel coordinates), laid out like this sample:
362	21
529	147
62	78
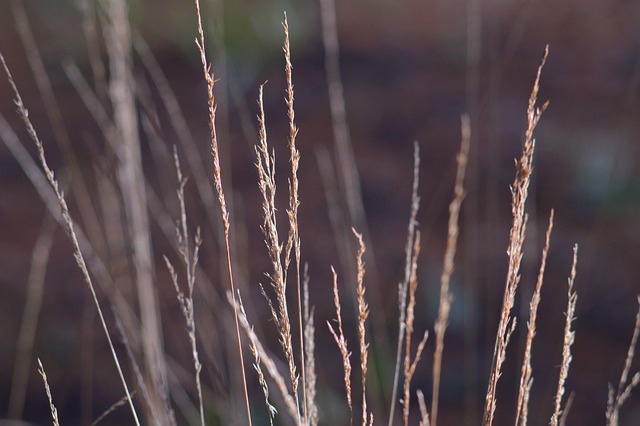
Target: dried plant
404	285
310	357
618	397
290	402
526	375
54	411
519	192
424	415
569	338
410	365
363	314
444	306
217	180
279	260
189	260
341	341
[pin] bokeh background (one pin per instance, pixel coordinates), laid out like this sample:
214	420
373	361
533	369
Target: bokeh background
410	69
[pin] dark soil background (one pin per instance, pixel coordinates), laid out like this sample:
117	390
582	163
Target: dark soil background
408	76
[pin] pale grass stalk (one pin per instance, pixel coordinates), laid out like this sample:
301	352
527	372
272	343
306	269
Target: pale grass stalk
519	192
30	316
131	181
341	341
310	357
424	415
270	365
272	411
68	226
526	376
409	365
217	179
569	338
404	285
122	401
363	313
190	260
52	407
444	306
280	260
625	386
294	202
567	407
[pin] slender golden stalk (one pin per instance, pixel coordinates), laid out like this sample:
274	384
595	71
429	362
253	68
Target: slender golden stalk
341	341
217	180
569	338
617	399
363	313
404	285
294	203
270	365
526	376
310	358
267	184
189	259
444	306
424	415
54	411
519	193
410	366
69	227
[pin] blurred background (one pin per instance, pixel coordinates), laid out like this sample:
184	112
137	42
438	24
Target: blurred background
409	69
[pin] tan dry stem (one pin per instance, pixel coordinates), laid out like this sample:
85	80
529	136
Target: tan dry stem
526	376
519	192
569	338
444	306
341	341
217	181
410	366
404	285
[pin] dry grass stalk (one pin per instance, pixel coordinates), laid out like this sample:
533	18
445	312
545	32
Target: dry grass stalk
265	165
217	180
189	260
293	239
424	414
68	226
625	386
272	411
122	401
54	411
363	313
569	338
444	306
404	285
310	357
410	366
567	407
519	192
526	377
30	316
341	341
289	400
131	182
